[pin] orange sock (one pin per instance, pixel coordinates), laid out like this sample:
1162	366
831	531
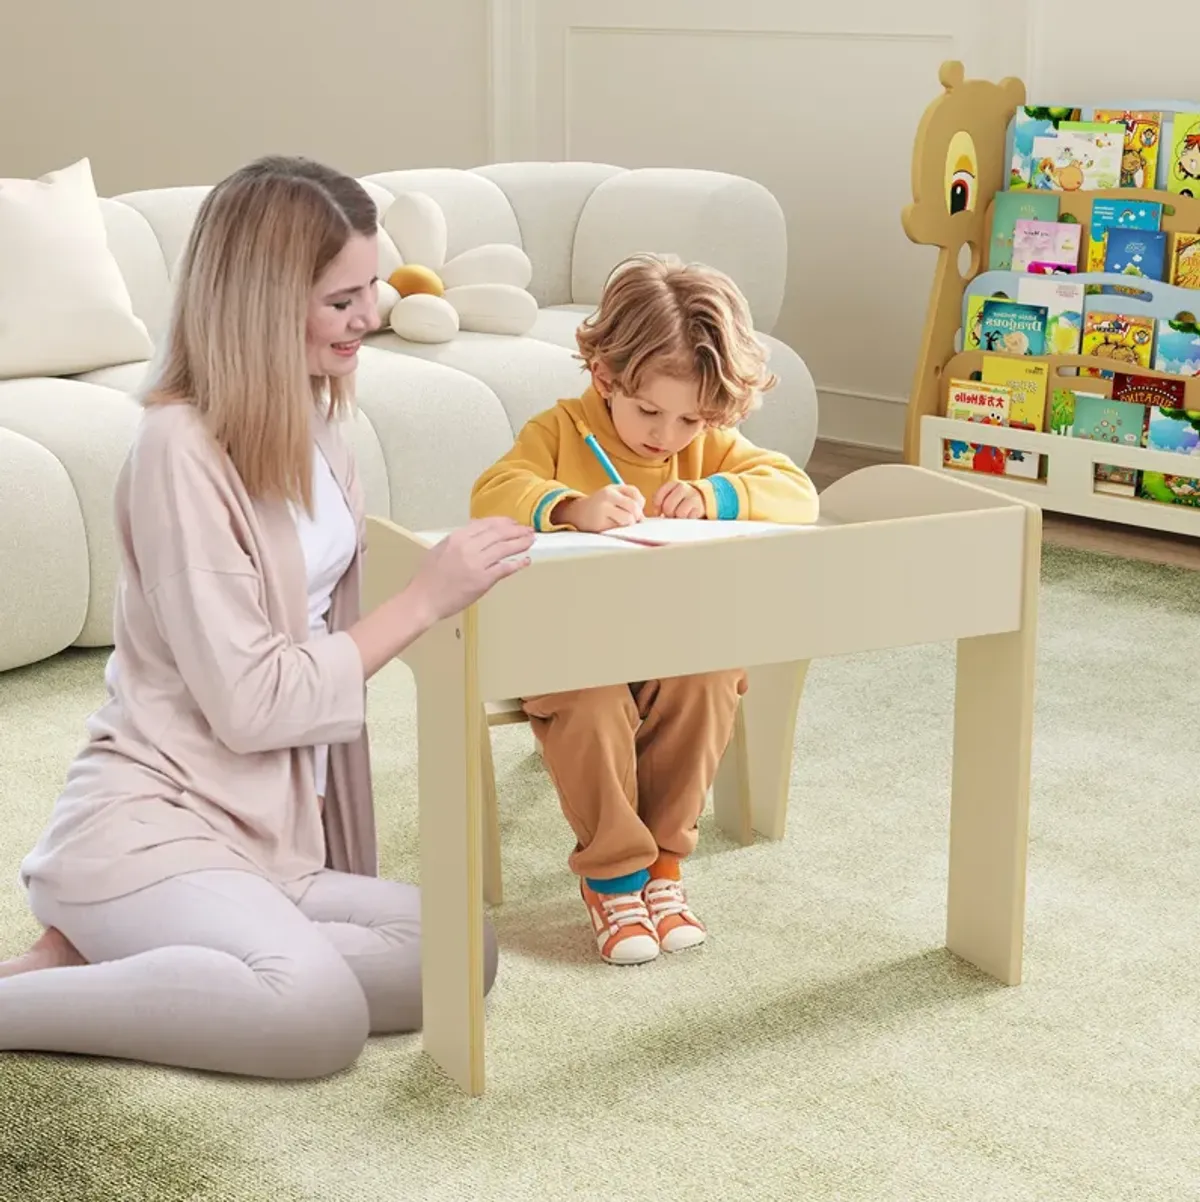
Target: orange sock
665	868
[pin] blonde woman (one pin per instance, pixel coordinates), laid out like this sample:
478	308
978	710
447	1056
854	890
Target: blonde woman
207	879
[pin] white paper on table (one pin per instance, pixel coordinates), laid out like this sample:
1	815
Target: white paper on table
664	532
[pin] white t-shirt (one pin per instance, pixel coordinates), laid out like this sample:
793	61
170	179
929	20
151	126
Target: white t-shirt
329	539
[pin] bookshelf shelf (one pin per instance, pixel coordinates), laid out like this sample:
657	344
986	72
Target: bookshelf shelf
960	162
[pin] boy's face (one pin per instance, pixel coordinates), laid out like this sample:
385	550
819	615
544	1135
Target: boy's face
661	420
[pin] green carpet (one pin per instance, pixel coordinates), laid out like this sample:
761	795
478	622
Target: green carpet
821	1045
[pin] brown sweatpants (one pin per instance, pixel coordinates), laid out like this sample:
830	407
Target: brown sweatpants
633	764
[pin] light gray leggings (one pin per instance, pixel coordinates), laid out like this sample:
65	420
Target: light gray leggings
220	971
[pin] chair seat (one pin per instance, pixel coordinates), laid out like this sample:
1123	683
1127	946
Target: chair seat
502	713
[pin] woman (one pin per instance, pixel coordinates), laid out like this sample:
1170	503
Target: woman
207	880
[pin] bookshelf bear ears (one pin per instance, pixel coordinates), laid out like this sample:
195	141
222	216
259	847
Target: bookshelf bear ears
959	157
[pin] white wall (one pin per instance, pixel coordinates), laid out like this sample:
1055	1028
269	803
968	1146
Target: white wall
818	102
162	92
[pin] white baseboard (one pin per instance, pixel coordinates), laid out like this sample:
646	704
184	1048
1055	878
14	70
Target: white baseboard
861	420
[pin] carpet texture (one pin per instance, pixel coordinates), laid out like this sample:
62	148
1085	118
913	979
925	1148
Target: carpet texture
822	1045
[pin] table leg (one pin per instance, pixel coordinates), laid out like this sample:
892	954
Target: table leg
989	808
449	721
751	790
493	876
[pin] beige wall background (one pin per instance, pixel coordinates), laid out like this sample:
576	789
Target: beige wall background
165	92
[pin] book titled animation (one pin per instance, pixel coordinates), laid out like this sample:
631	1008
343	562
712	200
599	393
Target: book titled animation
1117	214
987	404
1029	123
1046	247
1063	301
1013	328
1007	210
1185	260
1026	382
1139	156
1121	422
1118	338
1183	170
1177	347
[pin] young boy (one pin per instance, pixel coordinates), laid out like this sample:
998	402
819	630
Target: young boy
675	367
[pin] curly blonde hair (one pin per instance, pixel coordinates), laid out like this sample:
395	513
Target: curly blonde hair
661	316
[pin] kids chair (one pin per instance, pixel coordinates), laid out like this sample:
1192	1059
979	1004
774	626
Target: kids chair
731	792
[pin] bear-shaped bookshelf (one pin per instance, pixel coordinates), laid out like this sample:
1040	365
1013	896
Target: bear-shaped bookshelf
960	162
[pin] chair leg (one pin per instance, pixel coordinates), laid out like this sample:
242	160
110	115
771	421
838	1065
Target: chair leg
493	883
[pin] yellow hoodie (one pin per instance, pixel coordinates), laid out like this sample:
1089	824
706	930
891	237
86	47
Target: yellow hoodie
550	463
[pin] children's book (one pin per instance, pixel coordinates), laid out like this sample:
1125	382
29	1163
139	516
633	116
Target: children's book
1008	209
1143	132
1029	123
973	401
1108	214
1136	252
1117	337
1172	490
1105	420
1013	328
1062	410
1148	390
1078	160
1063	300
1177	348
1026	382
1046	247
1175	430
1183	171
1185	260
973	324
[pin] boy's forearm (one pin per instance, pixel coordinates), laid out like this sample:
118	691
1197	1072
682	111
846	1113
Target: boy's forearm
763	494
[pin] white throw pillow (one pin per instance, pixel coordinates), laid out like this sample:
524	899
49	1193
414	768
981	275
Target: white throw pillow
64	306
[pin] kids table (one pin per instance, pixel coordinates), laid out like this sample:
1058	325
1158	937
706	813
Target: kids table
903	556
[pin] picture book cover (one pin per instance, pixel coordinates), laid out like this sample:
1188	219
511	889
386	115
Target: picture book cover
987	404
1105	420
1183	171
1046	247
973	322
1185	260
1107	214
1136	252
1117	337
1007	210
1063	300
1143	132
1080	160
1013	328
1177	347
1148	390
1062	410
1029	123
1026	382
1172	490
1174	430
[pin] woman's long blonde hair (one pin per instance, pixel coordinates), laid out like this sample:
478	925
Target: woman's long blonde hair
236	349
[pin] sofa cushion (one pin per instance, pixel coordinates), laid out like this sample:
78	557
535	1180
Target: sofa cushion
89	430
527	374
547	199
43	548
557	324
64	306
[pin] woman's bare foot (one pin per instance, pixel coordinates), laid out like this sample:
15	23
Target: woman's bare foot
52	950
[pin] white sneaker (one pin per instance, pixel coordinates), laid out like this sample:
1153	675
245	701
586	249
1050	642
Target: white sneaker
622	926
676	926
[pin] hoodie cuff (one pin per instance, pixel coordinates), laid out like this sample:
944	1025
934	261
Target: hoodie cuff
723	499
545	506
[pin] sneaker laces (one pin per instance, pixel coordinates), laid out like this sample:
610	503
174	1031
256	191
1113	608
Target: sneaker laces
625	910
666	897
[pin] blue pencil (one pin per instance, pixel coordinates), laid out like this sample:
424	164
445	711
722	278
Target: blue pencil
597	450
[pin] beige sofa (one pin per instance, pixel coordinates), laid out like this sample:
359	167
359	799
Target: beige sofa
430	416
